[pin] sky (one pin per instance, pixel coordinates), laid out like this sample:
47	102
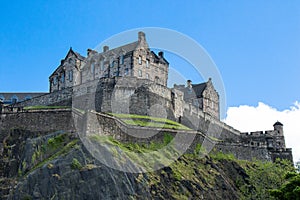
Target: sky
254	44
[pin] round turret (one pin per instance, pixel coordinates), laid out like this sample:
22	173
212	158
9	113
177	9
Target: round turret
278	128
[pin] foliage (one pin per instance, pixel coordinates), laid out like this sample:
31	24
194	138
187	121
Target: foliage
290	189
76	164
44	107
148	121
263	177
221	156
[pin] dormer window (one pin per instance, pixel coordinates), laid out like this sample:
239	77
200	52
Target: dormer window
140	60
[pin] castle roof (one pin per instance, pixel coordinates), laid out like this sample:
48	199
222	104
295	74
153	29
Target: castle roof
278	124
125	48
199	88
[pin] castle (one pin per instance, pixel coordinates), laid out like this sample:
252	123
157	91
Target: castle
133	79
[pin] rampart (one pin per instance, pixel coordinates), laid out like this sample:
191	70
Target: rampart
38	120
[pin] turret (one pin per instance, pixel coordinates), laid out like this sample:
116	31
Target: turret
278	128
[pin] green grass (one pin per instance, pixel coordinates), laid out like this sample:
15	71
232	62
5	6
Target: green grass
63	151
148	121
145	155
44	107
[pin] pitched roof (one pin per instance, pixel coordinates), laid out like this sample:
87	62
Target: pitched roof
127	48
199	88
77	55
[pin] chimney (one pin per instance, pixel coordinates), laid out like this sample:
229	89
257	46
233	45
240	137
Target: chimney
62	61
142	36
161	54
89	51
105	48
189	83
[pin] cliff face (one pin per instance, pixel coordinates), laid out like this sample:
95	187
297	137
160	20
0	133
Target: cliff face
56	165
63	169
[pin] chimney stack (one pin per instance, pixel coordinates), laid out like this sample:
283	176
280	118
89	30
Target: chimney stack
189	83
161	54
105	48
142	36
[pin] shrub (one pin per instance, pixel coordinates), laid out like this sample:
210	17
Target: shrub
76	164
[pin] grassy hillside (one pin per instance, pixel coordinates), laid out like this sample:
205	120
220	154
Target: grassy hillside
58	166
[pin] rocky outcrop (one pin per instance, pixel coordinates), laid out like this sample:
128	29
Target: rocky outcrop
57	166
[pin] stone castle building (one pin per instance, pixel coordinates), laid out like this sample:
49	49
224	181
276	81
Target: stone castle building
131	60
133	79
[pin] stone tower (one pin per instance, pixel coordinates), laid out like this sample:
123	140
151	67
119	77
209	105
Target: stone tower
278	141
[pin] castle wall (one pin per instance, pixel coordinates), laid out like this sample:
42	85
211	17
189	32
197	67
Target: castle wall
107	125
42	120
61	97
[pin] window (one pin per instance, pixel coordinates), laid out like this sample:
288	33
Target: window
147	76
126	72
122	59
112	62
147	63
62	78
140	73
55	80
70	75
93	68
102	65
140	60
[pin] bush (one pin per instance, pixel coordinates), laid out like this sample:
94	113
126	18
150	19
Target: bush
76	164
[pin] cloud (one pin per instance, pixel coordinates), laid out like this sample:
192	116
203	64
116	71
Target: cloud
262	117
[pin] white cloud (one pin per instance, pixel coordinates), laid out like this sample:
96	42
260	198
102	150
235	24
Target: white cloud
262	117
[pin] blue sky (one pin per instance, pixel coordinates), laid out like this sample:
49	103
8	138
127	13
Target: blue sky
255	44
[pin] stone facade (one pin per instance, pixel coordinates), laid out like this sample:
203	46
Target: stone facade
131	60
273	139
68	72
203	96
132	79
